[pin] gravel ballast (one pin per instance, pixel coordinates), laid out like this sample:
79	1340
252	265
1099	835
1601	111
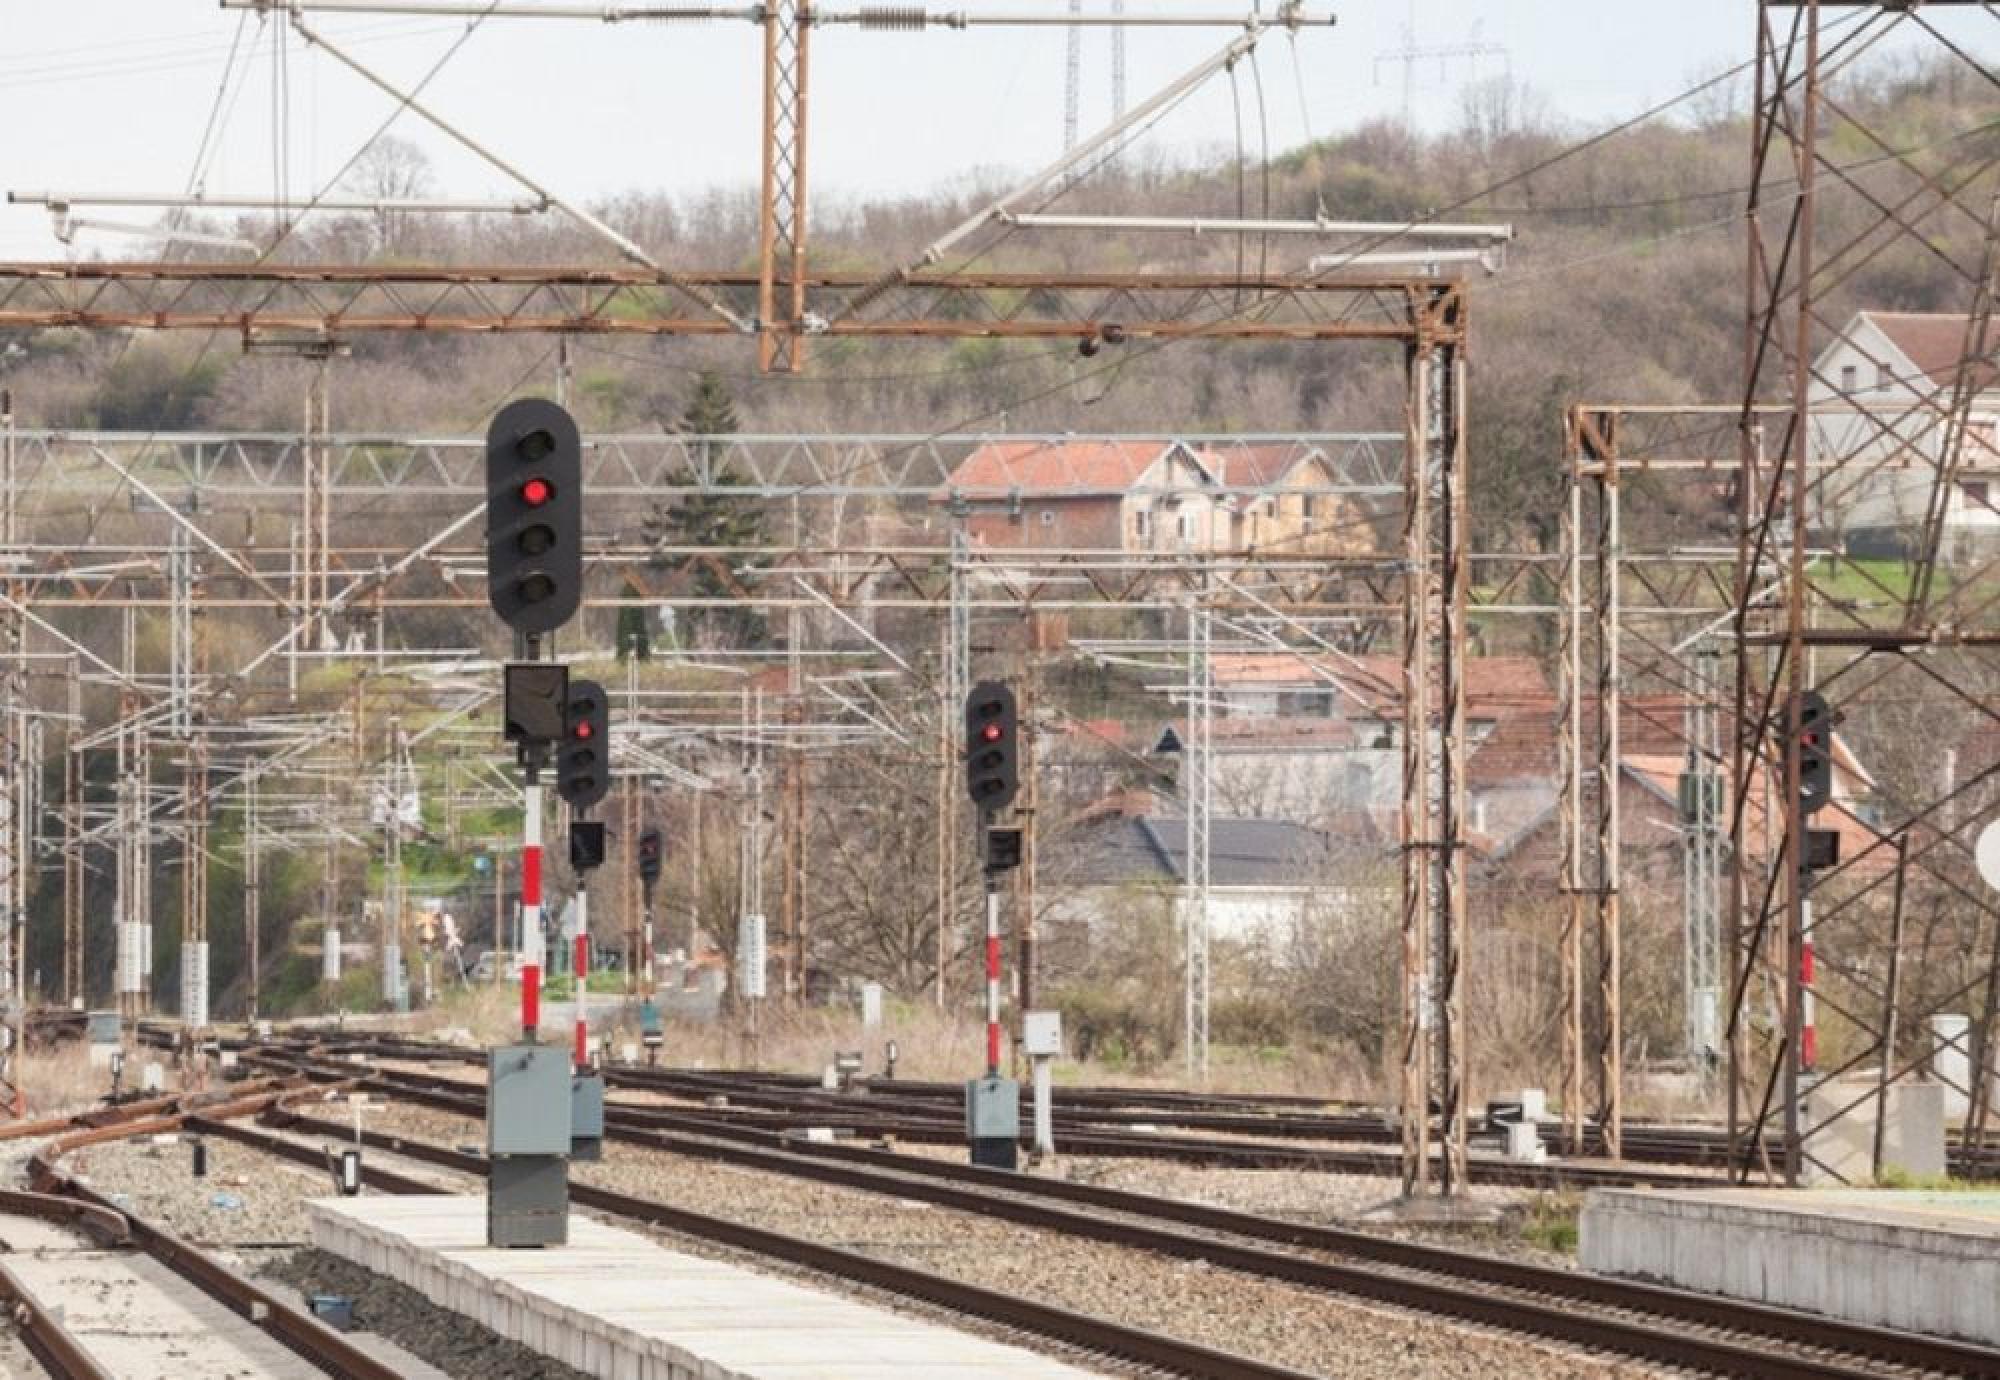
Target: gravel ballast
449	1341
1191	1300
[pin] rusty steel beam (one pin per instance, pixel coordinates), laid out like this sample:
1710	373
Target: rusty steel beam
331	299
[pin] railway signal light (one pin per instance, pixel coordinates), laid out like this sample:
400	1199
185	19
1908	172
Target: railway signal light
583	762
1813	724
586	844
534	516
535	701
649	857
992	746
1003	850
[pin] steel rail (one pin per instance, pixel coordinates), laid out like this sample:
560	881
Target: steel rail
900	1176
1191	1150
298	1331
44	1335
947	1128
1691	1146
1098	1335
1552	1314
42	1331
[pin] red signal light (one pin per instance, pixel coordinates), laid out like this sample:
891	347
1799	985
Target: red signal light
991	733
536	492
582	730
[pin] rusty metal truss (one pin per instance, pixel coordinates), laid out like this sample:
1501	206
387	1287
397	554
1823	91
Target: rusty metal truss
274	300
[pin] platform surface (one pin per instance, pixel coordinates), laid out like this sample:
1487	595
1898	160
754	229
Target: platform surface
136	1318
615	1303
1911	1259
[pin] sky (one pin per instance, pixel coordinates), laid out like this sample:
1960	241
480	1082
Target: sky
114	95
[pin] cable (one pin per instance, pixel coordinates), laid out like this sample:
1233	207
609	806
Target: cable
182	59
1236	110
210	134
285	230
1149	348
1264	158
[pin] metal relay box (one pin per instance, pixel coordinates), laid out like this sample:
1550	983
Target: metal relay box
527	1100
586	1116
1041	1033
992	1109
528	1117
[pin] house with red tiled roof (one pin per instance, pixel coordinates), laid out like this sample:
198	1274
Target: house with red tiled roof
1288	499
1097	495
1882	394
1159	495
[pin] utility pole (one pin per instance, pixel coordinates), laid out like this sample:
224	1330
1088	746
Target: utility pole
252	895
1197	798
1031	753
395	785
957	681
794	805
628	881
74	781
194	886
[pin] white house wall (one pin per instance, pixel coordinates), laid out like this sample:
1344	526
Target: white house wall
1887	416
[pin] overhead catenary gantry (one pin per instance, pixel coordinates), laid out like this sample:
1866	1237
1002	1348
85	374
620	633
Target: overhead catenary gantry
784	303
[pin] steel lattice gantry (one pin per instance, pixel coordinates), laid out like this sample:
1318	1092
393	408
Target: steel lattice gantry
1426	319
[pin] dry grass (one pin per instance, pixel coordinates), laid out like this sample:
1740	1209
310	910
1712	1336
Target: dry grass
59	1081
930	1045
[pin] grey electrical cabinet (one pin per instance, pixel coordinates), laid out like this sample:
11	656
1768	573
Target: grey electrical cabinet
992	1109
528	1118
527	1100
586	1116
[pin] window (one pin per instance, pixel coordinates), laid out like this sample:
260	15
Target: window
1048	517
1975	491
1185	523
1885	377
1142	524
1850	378
1982	444
1309	509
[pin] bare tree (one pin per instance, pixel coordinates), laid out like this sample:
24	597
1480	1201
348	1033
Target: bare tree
391	169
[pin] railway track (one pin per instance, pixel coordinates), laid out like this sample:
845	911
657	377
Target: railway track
1671	1326
61	1196
1134	1121
941	1125
1097	1335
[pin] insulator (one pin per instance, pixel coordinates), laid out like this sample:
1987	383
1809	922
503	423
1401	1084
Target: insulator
892	17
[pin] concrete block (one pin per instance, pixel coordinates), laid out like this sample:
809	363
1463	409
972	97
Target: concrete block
1524	1142
1922	1261
1838	1121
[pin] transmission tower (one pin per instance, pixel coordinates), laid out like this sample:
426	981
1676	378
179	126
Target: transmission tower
1073	70
1471	48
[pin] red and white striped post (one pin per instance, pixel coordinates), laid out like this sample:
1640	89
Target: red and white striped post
531	912
1808	1023
582	966
992	977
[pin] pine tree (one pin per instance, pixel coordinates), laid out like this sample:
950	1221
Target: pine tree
702	524
635	639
